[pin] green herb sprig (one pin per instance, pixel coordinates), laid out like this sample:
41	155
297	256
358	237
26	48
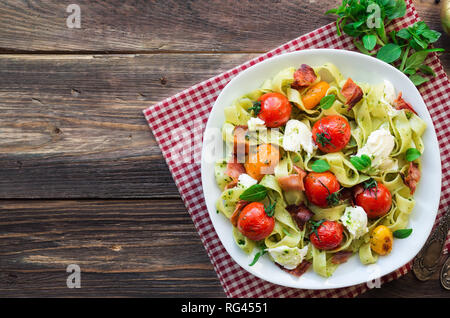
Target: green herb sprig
412	154
361	163
256	192
402	233
256	108
261	252
327	101
320	166
406	49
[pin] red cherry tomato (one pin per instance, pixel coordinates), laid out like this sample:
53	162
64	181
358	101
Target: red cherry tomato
376	201
328	235
275	109
331	133
319	187
254	223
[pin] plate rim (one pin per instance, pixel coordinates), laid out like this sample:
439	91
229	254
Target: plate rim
273	59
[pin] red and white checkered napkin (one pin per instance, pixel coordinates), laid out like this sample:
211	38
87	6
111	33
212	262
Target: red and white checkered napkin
194	104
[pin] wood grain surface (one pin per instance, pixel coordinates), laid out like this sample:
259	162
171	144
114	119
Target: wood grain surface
82	180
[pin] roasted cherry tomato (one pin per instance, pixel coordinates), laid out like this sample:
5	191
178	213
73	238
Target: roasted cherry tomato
254	223
261	161
381	240
327	236
376	201
321	188
275	109
331	133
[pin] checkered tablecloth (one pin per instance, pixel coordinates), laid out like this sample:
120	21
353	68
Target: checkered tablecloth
194	104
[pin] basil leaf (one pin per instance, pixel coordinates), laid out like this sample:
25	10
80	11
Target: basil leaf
417	79
361	47
409	71
327	101
416	59
369	41
397	11
422	43
403	233
389	53
361	163
427	70
404	34
381	31
412	154
431	35
320	166
256	192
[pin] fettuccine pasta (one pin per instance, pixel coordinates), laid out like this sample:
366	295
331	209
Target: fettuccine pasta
319	168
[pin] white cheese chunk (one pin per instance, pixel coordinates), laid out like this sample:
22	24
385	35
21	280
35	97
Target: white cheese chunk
288	257
389	97
389	92
246	181
378	147
355	220
297	136
256	123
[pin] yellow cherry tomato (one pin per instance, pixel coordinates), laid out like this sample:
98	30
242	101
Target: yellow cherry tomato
262	160
381	240
314	94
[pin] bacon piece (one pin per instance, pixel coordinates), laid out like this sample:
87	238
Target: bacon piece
304	76
400	104
413	177
300	214
341	257
231	184
299	270
348	195
241	144
357	190
234	170
293	181
237	210
352	92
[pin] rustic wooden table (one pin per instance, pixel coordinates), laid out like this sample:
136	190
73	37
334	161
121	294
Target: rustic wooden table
82	180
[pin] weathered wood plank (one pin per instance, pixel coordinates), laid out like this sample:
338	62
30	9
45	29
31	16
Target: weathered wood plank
72	125
118	25
409	286
124	248
169	25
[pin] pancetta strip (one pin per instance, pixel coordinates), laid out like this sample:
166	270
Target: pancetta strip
241	143
300	214
299	270
234	170
352	93
341	257
413	177
293	181
400	104
237	210
304	76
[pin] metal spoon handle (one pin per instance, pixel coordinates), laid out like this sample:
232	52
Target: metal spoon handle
429	257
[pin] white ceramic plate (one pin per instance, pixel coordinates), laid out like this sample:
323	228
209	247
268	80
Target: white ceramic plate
361	68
